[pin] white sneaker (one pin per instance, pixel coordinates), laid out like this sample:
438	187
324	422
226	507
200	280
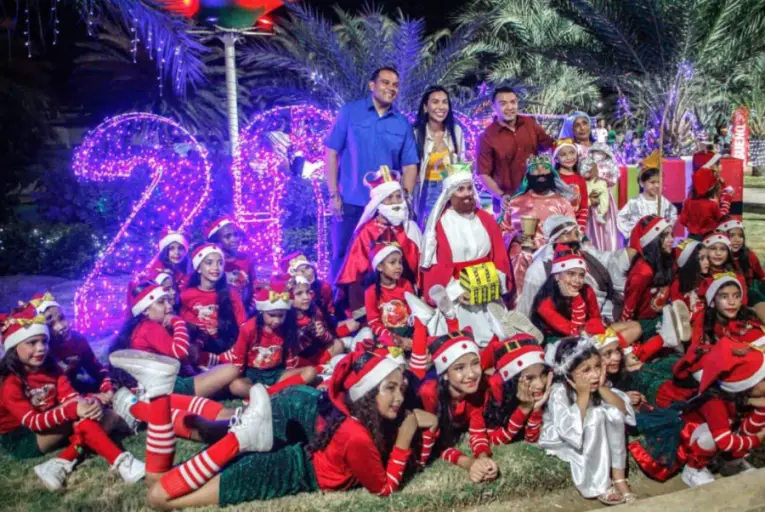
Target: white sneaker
155	374
696	477
252	426
420	309
737	466
669	329
130	469
53	472
513	322
440	298
683	320
122	401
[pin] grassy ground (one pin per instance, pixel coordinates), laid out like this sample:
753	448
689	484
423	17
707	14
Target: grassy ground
754	182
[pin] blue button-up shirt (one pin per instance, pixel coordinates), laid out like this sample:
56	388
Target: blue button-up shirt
365	140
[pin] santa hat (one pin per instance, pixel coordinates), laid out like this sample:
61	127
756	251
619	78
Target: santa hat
730	223
43	301
705	160
448	348
22	324
370	370
169	236
557	225
455	175
159	276
203	251
511	357
736	367
562	143
292	262
381	183
273	297
646	232
716	238
216	226
382	250
704	180
566	259
395	354
148	296
684	250
712	284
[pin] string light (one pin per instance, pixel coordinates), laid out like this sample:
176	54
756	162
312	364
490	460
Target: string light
54	9
28	31
179	188
134	42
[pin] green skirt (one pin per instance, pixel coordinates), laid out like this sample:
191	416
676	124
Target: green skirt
650	327
756	293
288	469
21	444
265	377
184	386
651	376
549	340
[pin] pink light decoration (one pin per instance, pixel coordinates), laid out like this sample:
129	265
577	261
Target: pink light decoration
260	174
178	189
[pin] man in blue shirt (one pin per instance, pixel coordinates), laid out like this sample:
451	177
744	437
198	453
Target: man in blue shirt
367	133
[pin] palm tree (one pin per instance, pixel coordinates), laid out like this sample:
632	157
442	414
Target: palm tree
330	65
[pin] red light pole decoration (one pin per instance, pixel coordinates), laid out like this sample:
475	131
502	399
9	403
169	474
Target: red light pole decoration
260	169
121	148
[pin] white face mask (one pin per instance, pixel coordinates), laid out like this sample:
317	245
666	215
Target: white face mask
396	214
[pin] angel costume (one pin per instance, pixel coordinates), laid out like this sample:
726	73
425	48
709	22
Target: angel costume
639	207
591	446
603	236
454	241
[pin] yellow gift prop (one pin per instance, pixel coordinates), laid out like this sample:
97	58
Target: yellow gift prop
481	282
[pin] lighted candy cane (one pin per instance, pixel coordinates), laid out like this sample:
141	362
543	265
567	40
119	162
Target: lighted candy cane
178	190
260	175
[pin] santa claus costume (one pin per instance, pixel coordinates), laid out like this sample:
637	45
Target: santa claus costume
38	399
456	240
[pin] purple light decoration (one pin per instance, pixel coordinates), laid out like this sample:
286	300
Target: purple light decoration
178	190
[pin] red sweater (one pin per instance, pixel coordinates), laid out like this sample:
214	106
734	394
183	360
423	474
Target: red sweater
351	458
581	201
701	216
718	414
642	301
468	412
260	348
200	308
585	315
389	312
74	355
756	273
151	336
40	402
515	423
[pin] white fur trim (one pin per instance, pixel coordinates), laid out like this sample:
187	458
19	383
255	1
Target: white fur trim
201	255
698	375
685	254
217	227
731	224
566	144
719	283
144	304
382	254
301	280
568	264
376	197
746	384
718	238
267	305
25	333
654	233
161	277
516	366
447	358
45	305
171	238
372	379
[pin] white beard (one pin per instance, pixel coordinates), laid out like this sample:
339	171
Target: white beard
396	214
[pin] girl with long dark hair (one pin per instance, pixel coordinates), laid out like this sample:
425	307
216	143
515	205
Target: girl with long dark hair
238	266
692	260
440	142
746	262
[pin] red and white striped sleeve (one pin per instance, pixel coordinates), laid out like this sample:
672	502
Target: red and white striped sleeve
533	427
452	455
180	341
506	434
21	408
478	439
718	419
725	202
753	423
428	442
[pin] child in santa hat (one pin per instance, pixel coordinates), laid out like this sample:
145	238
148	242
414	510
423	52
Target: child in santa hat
731	392
325	448
457	396
148	330
213	309
692	260
72	351
384	301
268	345
745	262
566	159
703	210
518	389
316	343
239	266
646	294
173	256
584	423
296	264
718	247
39	408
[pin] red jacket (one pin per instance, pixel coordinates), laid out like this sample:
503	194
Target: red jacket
40	402
585	315
153	337
642	301
532	423
756	273
701	216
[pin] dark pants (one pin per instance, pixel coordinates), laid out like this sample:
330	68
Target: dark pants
342	233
